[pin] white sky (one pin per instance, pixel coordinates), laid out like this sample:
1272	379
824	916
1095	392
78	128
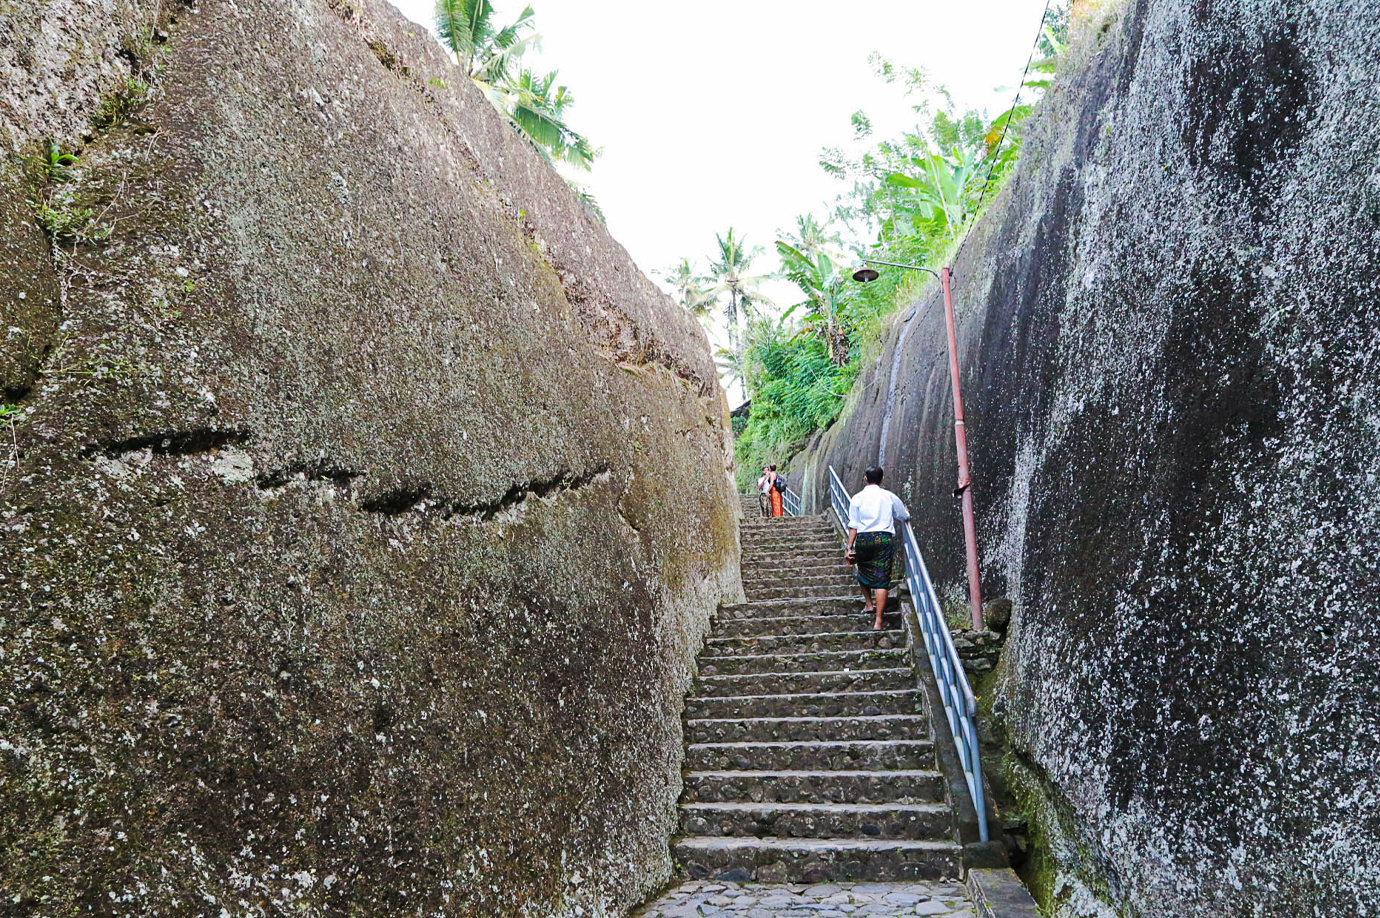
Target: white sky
712	114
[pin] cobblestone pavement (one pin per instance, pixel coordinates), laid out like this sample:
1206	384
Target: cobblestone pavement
701	899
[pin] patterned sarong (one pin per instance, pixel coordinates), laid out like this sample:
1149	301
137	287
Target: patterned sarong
873	552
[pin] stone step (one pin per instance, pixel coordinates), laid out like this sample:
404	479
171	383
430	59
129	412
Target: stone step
765	590
765	644
753	557
788	525
759	569
797	729
771	574
813	682
810	520
756	526
816	820
802	542
820	589
779	534
773	531
812	755
842	604
816	860
837	587
828	661
837	704
911	786
823	573
793	554
802	624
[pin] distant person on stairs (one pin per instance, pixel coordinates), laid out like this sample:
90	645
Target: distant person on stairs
777	493
764	489
872	516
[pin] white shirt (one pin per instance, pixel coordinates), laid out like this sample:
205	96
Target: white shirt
875	509
764	485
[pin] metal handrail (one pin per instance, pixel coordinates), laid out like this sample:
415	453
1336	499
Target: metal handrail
960	707
790	502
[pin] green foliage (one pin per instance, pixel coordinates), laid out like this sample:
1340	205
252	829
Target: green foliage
55	204
9	412
807	264
692	289
909	199
587	200
796	389
483	49
65	222
537	104
116	106
492	57
55	166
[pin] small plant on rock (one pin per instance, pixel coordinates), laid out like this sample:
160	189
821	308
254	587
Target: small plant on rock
64	221
117	106
55	165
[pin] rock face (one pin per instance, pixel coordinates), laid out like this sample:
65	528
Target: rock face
1168	334
366	505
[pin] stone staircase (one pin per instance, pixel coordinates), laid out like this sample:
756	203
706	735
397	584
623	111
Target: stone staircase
809	758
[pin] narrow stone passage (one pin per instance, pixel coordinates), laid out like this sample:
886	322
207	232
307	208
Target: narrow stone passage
811	781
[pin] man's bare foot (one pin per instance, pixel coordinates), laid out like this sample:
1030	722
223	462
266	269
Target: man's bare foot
877	625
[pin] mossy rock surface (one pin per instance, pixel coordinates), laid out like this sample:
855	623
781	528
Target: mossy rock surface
331	580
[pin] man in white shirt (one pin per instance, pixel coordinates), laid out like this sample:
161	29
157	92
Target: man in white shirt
872	516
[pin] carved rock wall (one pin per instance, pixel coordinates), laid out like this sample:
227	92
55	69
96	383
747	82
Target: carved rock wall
1168	338
366	505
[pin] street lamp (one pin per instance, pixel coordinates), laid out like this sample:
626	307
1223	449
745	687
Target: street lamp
965	481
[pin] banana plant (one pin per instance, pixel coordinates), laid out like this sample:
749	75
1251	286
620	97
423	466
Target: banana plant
821	280
938	190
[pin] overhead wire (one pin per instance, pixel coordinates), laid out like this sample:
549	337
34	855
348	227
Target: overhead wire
1015	102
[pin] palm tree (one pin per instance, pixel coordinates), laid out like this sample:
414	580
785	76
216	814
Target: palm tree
730	274
732	369
491	57
689	284
484	52
812	238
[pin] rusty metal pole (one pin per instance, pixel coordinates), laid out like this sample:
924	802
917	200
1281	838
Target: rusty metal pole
965	480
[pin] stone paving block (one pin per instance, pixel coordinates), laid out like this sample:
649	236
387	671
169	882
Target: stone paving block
703	899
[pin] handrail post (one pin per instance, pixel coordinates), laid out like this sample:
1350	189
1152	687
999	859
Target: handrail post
965	480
